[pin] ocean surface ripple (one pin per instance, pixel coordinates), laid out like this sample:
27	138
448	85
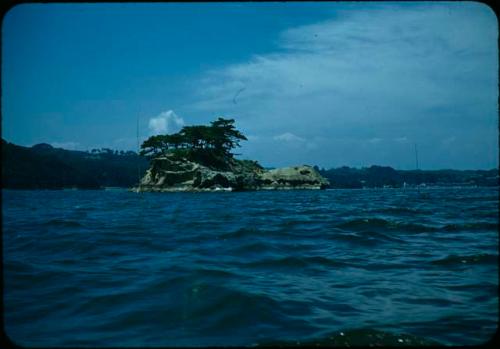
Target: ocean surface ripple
334	267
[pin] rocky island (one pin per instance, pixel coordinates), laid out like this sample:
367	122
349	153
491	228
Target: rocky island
198	158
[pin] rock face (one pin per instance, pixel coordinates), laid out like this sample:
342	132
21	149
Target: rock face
168	174
297	177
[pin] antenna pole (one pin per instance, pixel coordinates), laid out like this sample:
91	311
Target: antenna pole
138	150
416	156
416	164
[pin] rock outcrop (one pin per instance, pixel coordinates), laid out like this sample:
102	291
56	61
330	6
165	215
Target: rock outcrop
297	177
168	174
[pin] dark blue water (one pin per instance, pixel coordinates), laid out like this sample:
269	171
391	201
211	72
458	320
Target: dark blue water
116	268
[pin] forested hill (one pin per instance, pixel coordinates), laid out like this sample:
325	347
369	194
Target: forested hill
45	167
380	176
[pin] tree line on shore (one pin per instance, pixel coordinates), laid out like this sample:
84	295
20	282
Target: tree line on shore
45	167
385	176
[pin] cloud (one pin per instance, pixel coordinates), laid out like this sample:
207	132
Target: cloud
288	137
384	69
253	137
448	141
66	145
127	143
166	122
401	139
375	140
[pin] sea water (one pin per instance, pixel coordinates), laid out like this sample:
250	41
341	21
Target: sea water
344	267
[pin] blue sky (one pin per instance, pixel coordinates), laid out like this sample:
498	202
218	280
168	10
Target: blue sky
330	84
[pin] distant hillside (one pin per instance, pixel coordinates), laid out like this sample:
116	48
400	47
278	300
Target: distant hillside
45	167
379	176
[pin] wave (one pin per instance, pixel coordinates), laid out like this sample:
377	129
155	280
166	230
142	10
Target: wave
486	287
374	223
357	337
364	238
245	310
210	273
388	225
240	233
296	262
380	236
63	223
19	267
434	301
252	247
401	211
470	226
482	258
209	308
293	223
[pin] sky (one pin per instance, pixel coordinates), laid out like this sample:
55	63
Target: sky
328	84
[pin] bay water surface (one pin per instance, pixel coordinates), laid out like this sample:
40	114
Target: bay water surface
344	267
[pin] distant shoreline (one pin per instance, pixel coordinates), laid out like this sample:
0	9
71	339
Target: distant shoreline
43	167
429	187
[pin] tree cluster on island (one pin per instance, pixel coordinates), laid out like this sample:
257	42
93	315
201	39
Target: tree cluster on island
210	145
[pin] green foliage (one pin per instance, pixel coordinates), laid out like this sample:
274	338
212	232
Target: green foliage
226	136
208	144
197	137
152	147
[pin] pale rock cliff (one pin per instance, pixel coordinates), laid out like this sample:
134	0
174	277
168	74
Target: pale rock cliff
168	174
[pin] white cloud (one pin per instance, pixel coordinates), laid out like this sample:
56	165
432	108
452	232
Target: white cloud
253	137
401	139
66	145
385	69
166	122
375	140
448	141
367	60
288	137
311	145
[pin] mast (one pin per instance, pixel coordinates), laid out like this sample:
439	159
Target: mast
416	156
138	150
416	165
